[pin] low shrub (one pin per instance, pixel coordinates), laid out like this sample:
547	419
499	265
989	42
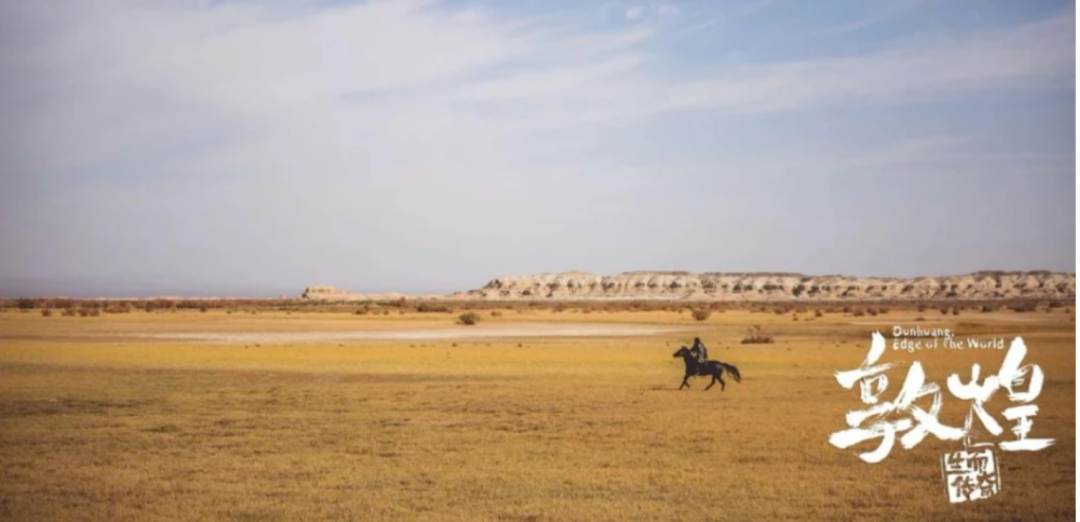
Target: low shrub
701	315
754	335
469	318
433	308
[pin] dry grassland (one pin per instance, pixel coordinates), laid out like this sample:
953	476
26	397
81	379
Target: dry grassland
97	423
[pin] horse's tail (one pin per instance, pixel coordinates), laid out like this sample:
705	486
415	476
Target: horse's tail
731	369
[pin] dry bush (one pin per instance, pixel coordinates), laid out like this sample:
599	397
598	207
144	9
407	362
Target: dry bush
45	312
701	315
69	312
469	318
818	313
434	308
956	311
159	304
1023	307
718	307
755	335
496	313
944	311
859	313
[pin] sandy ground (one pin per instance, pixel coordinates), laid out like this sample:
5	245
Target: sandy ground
424	333
988	318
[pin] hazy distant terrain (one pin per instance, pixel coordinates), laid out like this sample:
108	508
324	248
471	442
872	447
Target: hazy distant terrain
677	285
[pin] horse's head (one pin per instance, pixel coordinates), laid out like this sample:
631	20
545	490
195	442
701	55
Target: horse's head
683	352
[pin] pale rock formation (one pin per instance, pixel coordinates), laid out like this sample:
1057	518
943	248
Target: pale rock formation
774	286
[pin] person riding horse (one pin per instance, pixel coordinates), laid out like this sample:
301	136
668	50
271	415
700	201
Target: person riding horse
699	351
698	366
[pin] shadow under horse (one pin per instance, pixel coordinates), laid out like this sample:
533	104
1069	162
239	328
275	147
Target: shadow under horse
714	369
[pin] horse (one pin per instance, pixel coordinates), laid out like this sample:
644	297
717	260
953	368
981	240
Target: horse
715	369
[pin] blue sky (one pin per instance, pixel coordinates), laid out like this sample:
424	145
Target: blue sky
252	148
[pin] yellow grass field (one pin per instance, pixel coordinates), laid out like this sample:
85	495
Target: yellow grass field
99	422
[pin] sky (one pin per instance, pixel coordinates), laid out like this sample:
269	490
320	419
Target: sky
252	148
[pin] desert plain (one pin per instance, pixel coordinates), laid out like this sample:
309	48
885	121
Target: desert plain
533	414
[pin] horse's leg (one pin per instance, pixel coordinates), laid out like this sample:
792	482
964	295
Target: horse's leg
719	377
684	383
711	383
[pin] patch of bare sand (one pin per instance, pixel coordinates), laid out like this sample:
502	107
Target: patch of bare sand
518	330
988	318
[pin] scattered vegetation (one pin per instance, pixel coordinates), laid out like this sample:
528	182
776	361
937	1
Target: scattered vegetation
701	314
486	308
469	318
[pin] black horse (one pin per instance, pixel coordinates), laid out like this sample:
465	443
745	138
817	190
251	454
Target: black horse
715	369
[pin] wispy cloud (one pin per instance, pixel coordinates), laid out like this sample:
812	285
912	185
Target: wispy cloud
1035	55
881	12
261	129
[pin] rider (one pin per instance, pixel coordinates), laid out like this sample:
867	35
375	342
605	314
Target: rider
699	350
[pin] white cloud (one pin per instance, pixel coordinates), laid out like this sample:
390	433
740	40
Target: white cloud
635	12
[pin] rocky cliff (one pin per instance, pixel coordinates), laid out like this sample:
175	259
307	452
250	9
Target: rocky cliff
775	286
